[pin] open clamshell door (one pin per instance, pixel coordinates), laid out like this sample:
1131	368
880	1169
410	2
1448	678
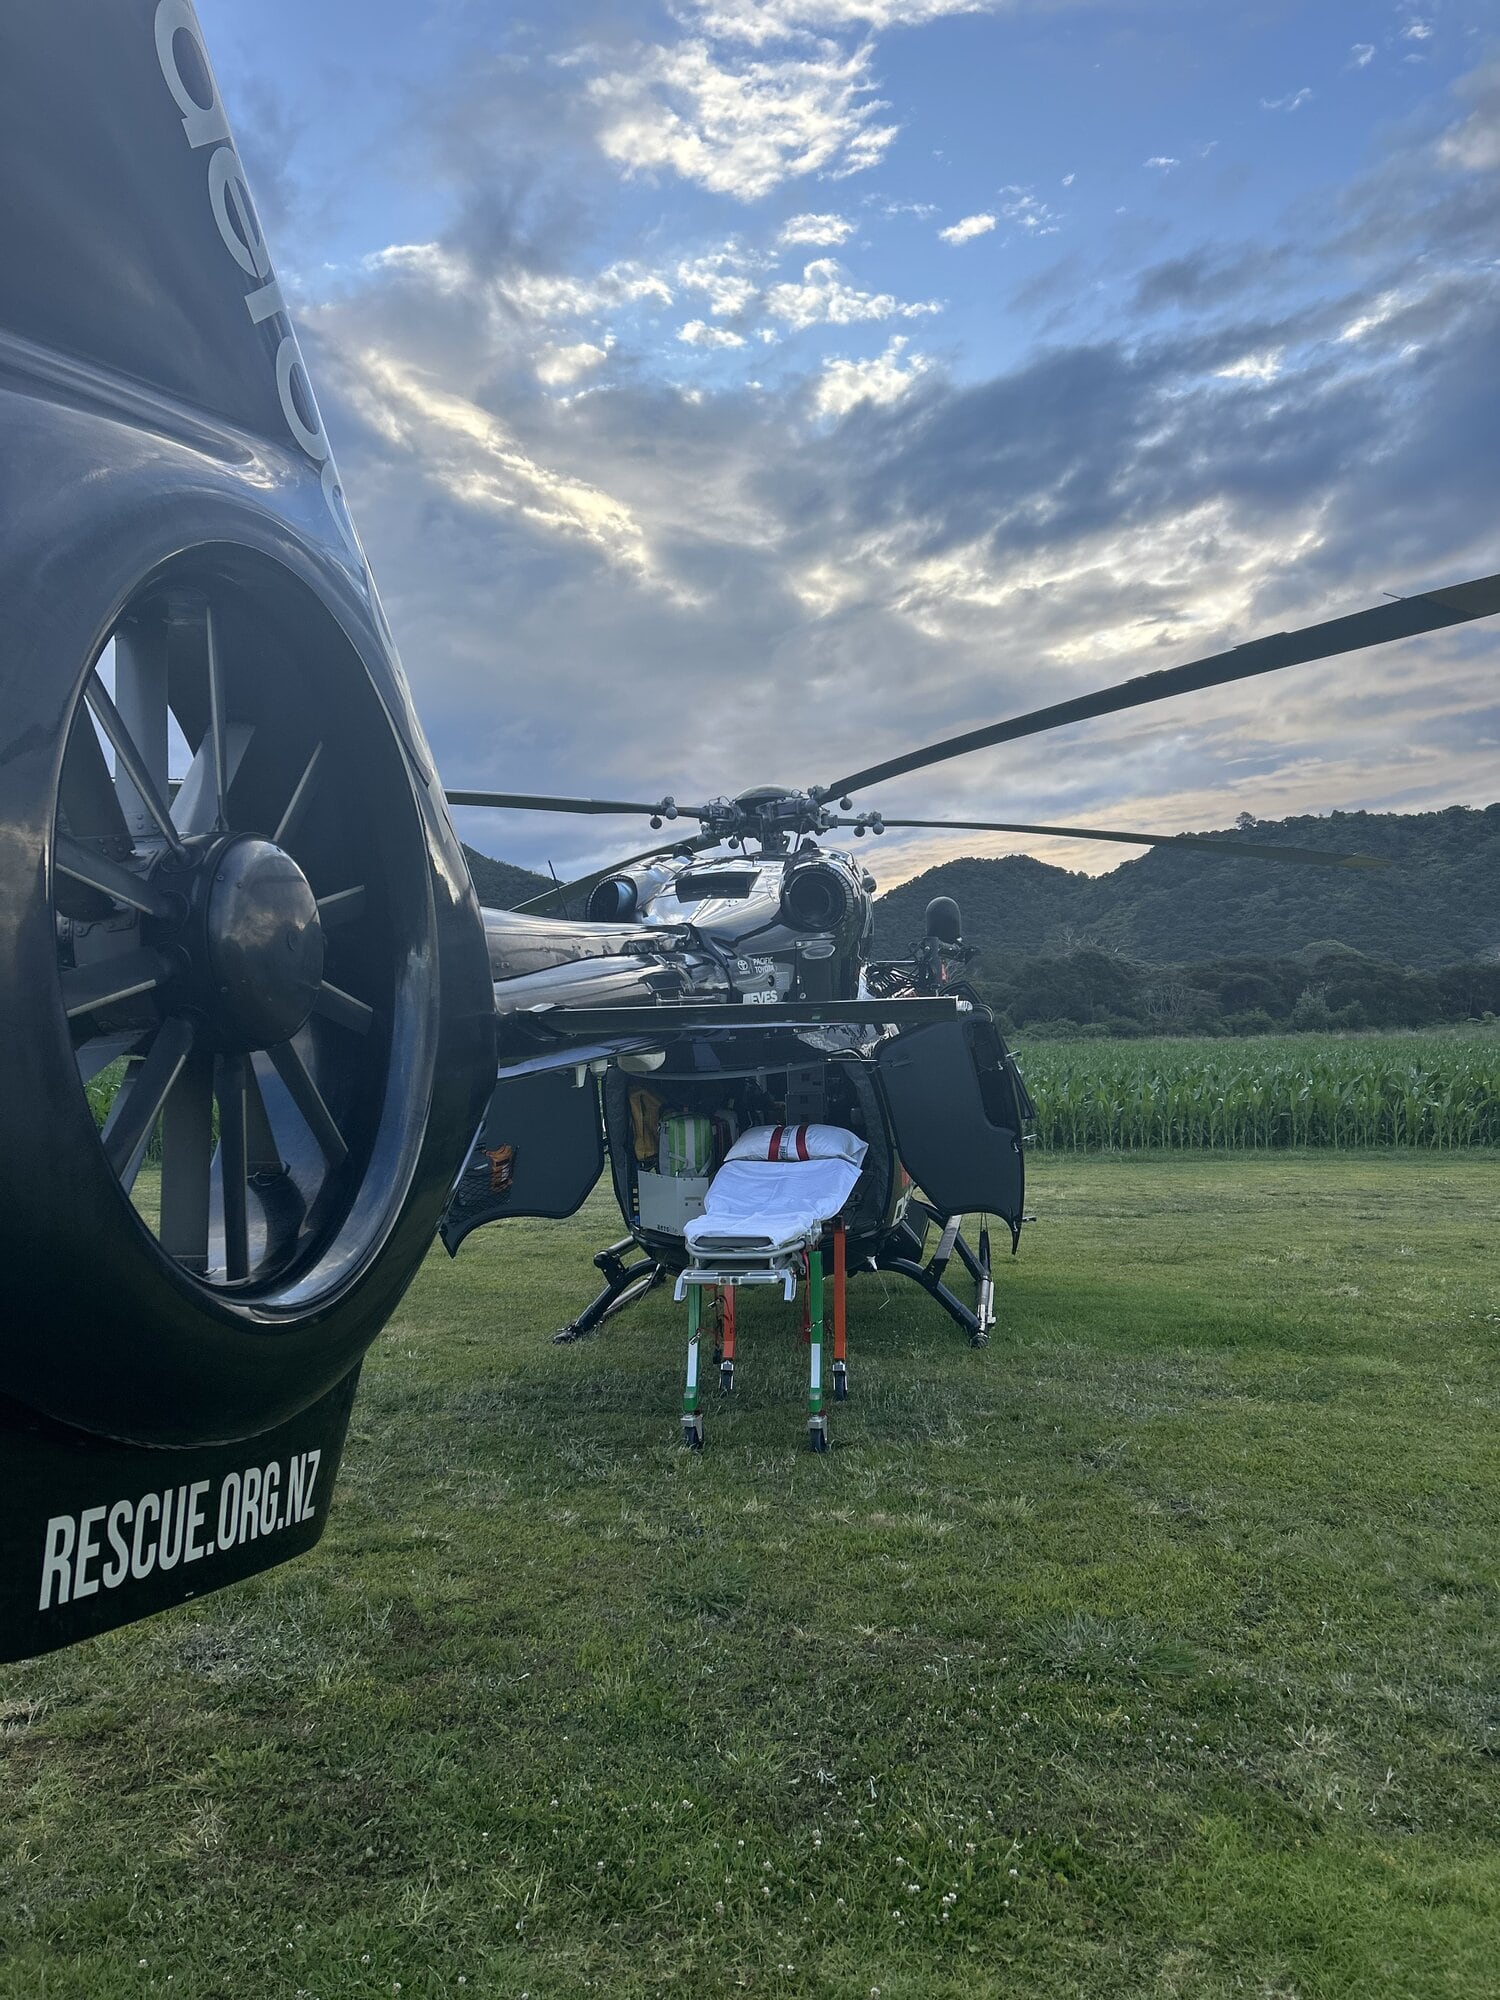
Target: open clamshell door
539	1151
957	1107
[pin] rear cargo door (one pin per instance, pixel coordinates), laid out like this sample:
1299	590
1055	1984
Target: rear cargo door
956	1104
539	1152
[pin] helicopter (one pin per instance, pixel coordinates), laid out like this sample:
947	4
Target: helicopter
254	1018
729	977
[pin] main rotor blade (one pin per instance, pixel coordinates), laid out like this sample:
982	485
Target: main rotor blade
537	802
1203	843
537	906
1404	618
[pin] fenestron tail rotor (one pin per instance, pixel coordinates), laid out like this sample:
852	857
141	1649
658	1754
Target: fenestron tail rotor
1403	618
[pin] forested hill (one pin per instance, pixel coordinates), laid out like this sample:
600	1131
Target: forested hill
1439	902
499	885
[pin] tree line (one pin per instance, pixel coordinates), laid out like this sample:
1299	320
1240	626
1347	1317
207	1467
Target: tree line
1092	992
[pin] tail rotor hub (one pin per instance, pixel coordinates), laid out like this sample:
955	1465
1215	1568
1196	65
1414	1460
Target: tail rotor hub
262	943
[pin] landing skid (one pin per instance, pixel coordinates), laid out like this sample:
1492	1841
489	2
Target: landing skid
623	1285
902	1252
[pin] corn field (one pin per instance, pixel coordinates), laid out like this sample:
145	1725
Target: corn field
1288	1090
1397	1090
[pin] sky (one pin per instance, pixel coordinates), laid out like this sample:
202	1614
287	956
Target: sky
738	391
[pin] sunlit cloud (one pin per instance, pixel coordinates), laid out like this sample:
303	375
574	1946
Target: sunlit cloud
821	231
760	21
966	230
825	297
559	366
741	127
886	378
697	333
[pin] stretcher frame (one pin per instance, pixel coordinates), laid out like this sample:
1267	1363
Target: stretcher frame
782	1266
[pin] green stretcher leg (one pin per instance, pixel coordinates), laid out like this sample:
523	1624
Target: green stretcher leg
692	1412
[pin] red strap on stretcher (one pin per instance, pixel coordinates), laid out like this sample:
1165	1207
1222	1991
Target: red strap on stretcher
773	1151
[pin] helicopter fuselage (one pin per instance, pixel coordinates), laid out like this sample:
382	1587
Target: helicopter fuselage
717	980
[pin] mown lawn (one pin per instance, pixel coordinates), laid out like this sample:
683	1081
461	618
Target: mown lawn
1152	1651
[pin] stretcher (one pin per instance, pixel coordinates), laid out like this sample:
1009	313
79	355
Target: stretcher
763	1223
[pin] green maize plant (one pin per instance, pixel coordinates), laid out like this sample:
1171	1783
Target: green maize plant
1380	1090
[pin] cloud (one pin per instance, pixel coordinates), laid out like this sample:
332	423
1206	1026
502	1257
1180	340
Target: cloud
1361	55
560	566
467	453
825	298
727	276
884	379
1417	31
697	333
1294	101
761	21
920	209
1378	312
822	231
738	127
1164	161
966	230
1262	367
559	366
1203	277
1024	209
551	296
1473	145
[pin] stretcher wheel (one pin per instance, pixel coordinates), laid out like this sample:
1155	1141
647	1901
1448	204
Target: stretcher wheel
840	1384
817	1438
692	1432
247	946
726	1377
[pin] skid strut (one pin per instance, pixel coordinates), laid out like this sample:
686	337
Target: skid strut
903	1253
623	1285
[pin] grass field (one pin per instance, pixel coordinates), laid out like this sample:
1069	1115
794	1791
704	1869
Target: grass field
1153	1651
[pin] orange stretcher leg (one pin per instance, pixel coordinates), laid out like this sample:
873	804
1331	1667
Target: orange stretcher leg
726	1340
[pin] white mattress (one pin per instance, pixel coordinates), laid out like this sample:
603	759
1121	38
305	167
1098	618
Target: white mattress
758	1207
